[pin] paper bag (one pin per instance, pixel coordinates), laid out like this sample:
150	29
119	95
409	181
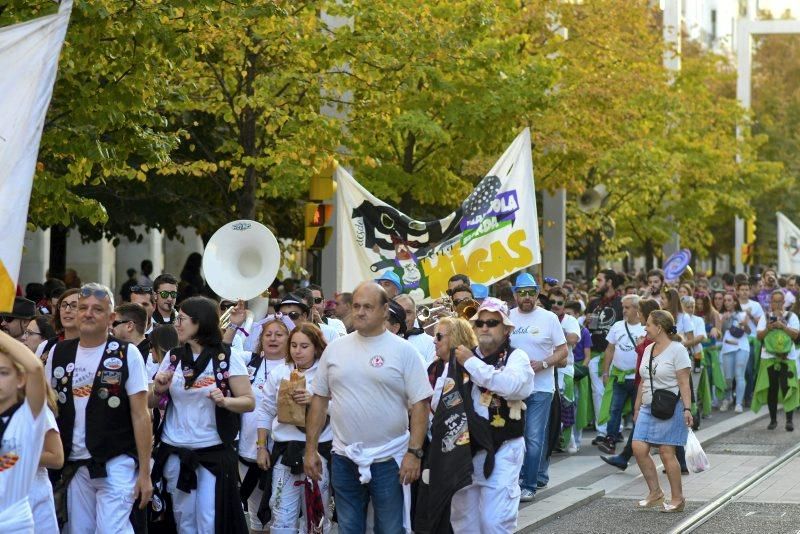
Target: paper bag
289	412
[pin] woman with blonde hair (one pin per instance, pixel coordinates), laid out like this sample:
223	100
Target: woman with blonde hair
662	412
450	332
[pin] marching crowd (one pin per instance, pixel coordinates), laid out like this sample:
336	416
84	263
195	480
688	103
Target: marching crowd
176	412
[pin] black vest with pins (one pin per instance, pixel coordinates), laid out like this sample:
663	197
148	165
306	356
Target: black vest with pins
228	422
109	427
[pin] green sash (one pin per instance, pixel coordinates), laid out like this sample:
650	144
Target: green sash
569	393
790	400
712	361
614	375
584	414
704	392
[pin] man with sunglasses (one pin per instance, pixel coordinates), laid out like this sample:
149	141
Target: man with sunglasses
15	322
501	378
307	296
319	305
539	334
165	288
103	420
143	296
129	326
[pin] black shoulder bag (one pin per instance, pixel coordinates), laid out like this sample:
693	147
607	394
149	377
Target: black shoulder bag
664	401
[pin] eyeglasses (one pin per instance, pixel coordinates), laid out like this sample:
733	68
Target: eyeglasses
440	336
318	300
68	305
117	323
180	318
491	323
557	302
141	289
168	294
527	292
32	333
97	293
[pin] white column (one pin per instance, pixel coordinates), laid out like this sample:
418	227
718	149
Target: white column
35	257
129	254
94	261
672	62
744	55
175	252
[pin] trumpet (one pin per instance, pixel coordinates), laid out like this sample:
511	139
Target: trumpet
465	309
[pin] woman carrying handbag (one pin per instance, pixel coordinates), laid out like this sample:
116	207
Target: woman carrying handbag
662	412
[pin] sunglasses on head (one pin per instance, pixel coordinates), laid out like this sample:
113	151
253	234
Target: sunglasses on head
527	292
141	290
97	293
167	294
491	323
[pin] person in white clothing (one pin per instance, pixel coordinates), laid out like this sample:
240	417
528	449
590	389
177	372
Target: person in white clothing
414	334
104	422
41	496
270	355
501	379
319	307
538	333
565	375
22	428
288	498
735	350
619	369
374	377
204	389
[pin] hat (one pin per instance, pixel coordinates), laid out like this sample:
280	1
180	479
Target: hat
23	309
479	291
397	313
293	298
392	277
526	280
493	305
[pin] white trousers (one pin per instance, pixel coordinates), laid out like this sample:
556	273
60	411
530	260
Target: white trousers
102	504
598	388
194	511
42	504
489	506
253	502
288	500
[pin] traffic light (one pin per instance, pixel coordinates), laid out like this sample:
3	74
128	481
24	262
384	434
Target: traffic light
317	214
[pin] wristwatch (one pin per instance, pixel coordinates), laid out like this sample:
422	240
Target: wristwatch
419	453
544	364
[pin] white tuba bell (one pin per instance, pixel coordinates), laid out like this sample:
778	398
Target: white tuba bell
241	260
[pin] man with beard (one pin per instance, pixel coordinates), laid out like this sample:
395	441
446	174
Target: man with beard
15	322
538	333
501	377
655	283
165	288
601	314
770	284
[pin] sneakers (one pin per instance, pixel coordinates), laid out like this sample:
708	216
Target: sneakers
617	461
608	445
598	439
541	485
725	405
572	449
789	426
772	425
738	408
526	496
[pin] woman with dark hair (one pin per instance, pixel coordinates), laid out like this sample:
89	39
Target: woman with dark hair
202	389
735	351
191	282
271	353
288	499
65	322
38	331
665	367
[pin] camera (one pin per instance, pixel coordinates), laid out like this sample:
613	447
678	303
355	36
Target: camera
773	318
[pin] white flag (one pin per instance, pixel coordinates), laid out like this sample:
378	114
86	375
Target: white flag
28	60
788	246
494	233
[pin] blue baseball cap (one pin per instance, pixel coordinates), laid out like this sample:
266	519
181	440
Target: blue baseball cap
526	280
479	291
392	277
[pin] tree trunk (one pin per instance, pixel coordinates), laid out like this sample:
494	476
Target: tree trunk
58	251
649	255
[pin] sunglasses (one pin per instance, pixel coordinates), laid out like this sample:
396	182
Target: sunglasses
168	294
141	290
491	323
293	315
557	302
440	336
527	292
117	323
318	300
6	318
101	294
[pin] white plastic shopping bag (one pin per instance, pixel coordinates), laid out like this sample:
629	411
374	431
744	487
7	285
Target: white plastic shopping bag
696	458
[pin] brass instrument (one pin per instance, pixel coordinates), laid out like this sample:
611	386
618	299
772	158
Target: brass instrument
465	309
426	312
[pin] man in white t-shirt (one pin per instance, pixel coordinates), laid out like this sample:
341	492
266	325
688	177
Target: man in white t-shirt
319	307
754	313
374	377
103	420
566	374
414	334
780	369
619	369
538	333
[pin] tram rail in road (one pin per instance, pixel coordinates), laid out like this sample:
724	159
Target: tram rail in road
705	513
